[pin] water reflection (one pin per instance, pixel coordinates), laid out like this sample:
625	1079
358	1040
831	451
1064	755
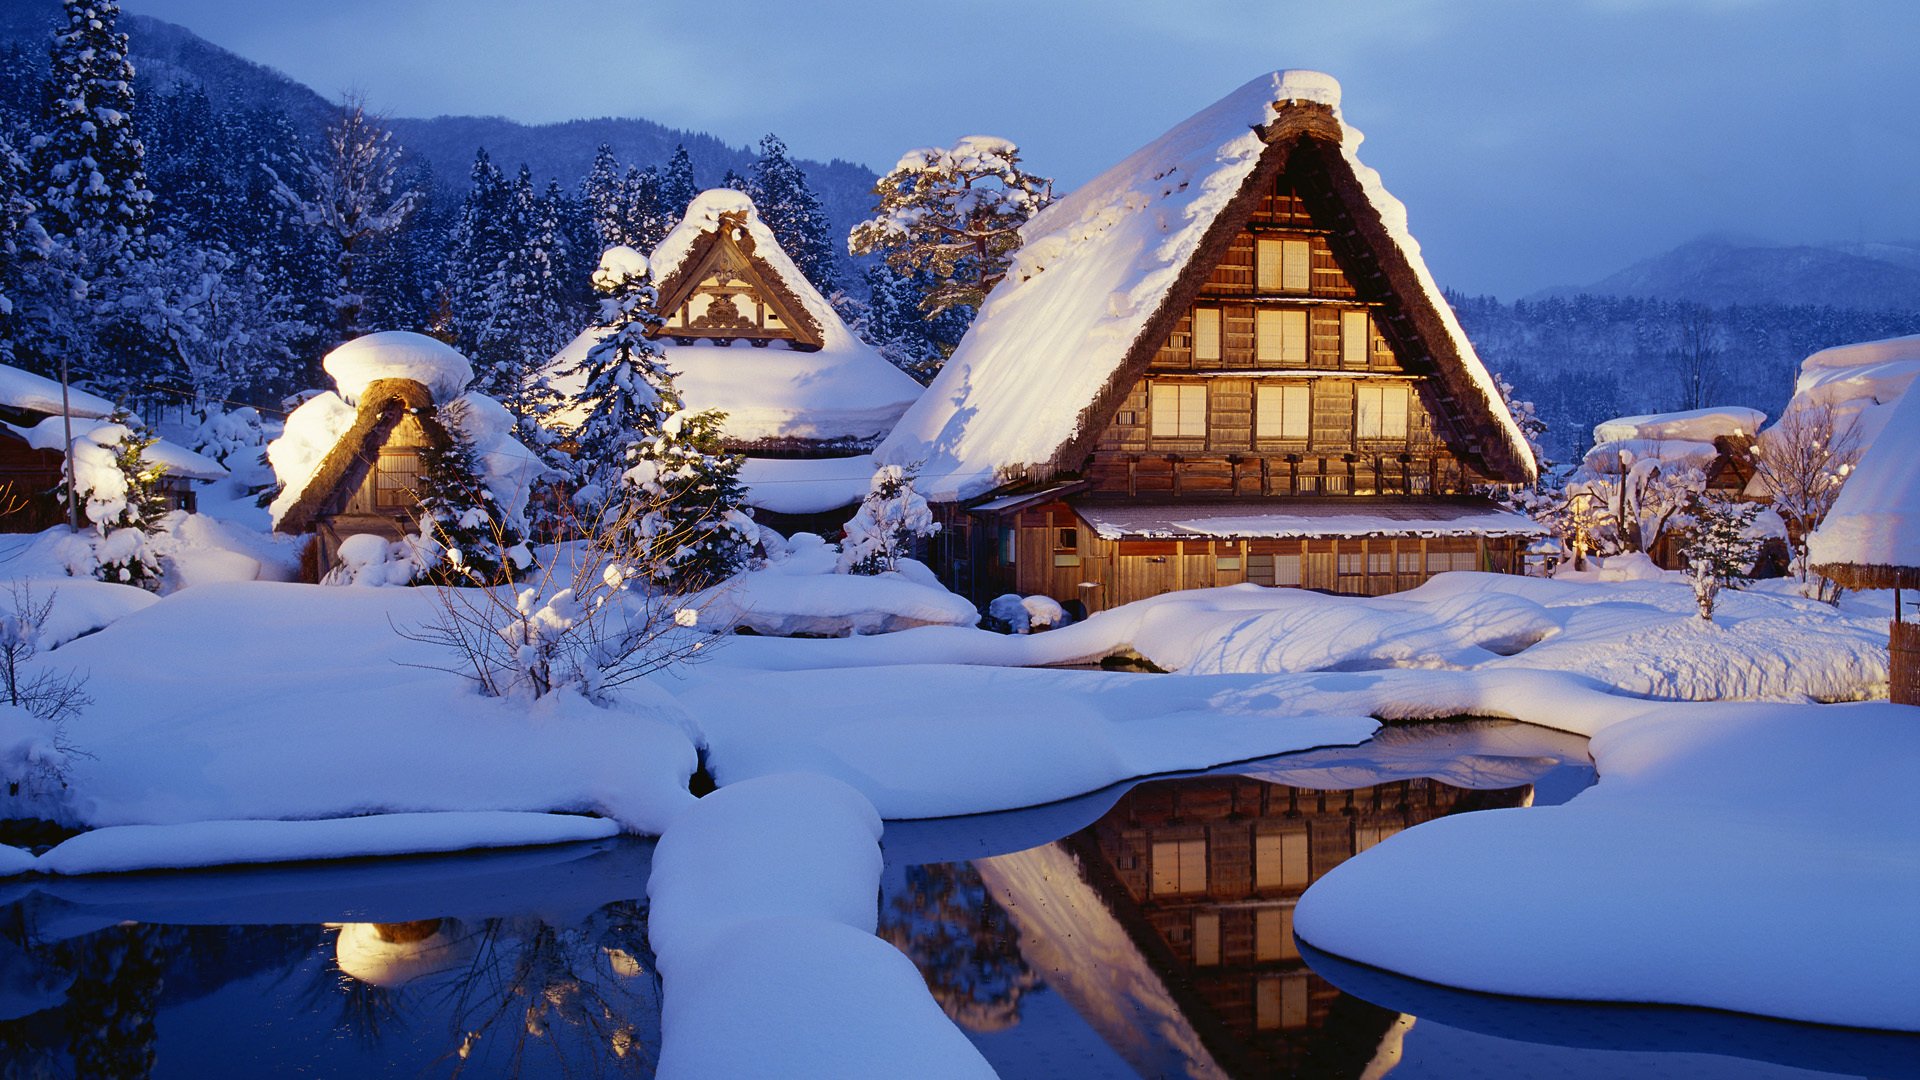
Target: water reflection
521	964
1154	937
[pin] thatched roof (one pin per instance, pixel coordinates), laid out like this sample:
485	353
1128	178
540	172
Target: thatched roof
1871	537
725	219
383	404
1105	273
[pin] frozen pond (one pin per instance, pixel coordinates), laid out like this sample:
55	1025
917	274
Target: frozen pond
531	963
1147	931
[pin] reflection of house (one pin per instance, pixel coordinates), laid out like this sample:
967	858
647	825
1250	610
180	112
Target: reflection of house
1223	360
1205	874
746	333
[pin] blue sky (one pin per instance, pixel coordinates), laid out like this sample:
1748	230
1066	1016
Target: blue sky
1536	142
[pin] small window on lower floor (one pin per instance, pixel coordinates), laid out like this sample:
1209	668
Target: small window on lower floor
1009	546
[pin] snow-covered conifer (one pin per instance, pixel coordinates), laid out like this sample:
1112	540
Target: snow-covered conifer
646	222
1720	546
891	517
696	525
955	213
89	160
476	541
628	391
793	213
677	189
118	488
604	193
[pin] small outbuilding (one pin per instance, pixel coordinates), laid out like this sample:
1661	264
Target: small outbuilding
1871	537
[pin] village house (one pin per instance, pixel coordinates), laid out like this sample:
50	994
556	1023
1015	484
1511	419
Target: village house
746	333
1222	360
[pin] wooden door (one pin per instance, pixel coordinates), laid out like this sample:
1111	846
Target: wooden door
1317	570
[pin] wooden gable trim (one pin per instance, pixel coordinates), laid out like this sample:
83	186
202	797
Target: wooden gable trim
708	250
383	404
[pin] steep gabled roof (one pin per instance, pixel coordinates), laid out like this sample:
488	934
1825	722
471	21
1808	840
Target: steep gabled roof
1104	274
383	404
728	242
1871	537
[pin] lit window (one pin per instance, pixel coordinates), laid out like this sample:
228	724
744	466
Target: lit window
396	476
1280	336
1179	866
1179	410
1379	562
1206	333
1286	569
1356	338
1352	564
1381	412
1299	266
1281	412
1283	265
1280	859
1206	939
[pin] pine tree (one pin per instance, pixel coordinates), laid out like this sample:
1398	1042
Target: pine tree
89	161
118	488
477	541
954	213
647	222
733	181
891	321
677	189
605	196
350	203
793	213
1720	547
697	527
891	517
629	392
479	244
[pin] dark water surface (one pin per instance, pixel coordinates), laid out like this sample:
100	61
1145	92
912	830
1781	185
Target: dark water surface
1147	930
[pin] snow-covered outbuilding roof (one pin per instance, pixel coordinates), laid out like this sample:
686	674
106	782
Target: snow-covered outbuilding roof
1693	425
789	371
26	392
1871	537
1302	518
51	434
1104	273
398	354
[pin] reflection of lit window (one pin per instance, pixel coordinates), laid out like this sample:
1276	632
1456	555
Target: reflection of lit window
1206	939
1280	860
1272	935
1280	1003
1179	866
1365	836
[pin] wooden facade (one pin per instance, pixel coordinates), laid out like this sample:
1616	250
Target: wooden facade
724	292
1204	873
1291	380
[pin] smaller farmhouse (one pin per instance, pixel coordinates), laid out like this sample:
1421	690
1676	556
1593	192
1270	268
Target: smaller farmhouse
350	459
1221	361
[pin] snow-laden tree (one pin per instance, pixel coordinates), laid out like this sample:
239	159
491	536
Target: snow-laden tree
482	236
646	221
954	213
350	202
793	213
88	159
628	391
604	194
223	329
528	313
1644	495
677	190
891	518
118	489
35	754
472	539
1719	548
1801	462
890	320
696	525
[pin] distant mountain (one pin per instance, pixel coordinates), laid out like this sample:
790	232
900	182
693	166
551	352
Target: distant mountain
1722	270
166	55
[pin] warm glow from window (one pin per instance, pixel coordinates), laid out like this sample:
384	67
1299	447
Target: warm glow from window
1178	410
1381	412
1179	866
1206	333
1282	412
1280	336
1356	338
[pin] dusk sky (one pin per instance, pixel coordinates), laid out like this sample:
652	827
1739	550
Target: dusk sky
1534	143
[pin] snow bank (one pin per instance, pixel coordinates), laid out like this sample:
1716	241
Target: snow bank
217	843
320	709
930	740
1092	270
1725	845
398	354
806	485
764	904
797	592
1872	523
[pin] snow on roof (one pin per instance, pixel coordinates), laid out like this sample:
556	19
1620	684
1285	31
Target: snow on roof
806	485
1094	269
1876	520
843	391
398	354
36	393
1694	425
51	434
1859	381
1297	518
1605	458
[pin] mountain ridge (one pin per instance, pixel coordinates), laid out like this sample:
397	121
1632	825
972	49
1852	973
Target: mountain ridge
1720	270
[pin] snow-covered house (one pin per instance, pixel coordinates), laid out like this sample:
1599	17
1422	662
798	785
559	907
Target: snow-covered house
1871	537
349	461
1222	360
33	441
745	332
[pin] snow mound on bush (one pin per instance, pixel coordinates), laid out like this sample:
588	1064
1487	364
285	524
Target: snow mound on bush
797	592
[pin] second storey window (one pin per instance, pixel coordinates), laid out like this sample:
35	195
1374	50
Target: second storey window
1381	412
1178	410
1280	336
1281	412
1283	265
1206	334
1356	339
